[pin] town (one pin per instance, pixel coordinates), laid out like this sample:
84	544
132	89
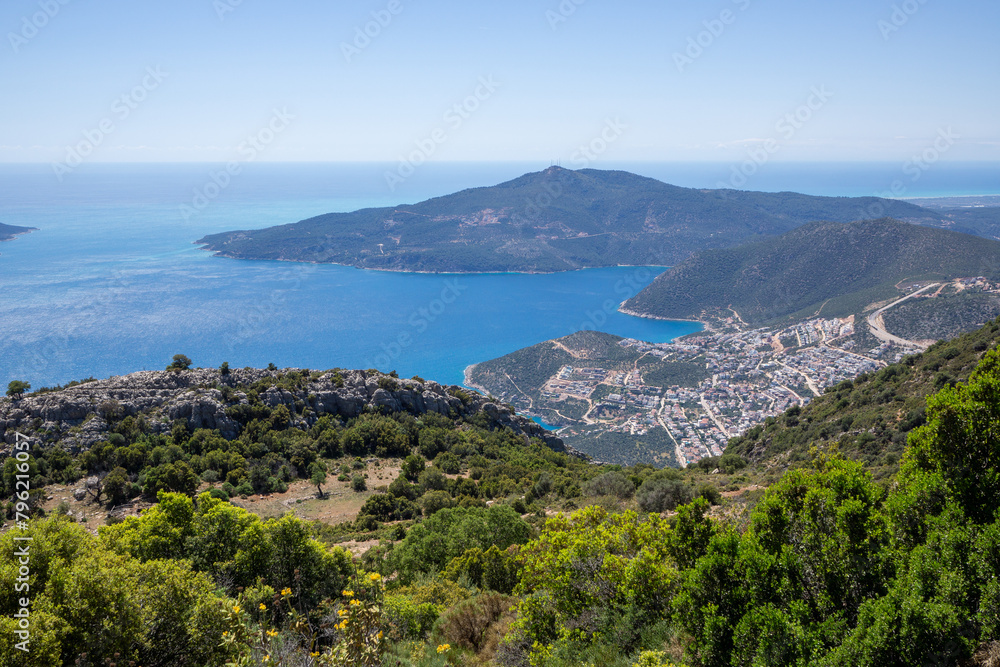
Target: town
748	376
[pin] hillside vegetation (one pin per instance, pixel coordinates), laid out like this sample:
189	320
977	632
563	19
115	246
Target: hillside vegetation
570	565
554	220
840	268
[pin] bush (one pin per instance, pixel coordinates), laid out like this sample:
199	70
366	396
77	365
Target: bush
448	463
659	494
730	463
358	483
710	493
412	467
432	479
432	501
610	484
468	623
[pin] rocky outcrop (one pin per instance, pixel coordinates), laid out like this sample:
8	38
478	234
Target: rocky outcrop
77	417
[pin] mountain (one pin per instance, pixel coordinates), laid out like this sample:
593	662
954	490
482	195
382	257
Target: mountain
7	232
870	417
555	220
829	267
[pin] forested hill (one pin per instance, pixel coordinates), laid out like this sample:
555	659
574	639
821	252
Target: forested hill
869	418
554	220
7	232
840	268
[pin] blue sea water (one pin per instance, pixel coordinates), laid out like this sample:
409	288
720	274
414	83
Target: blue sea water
112	283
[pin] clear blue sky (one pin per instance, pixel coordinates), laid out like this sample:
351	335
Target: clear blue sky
559	83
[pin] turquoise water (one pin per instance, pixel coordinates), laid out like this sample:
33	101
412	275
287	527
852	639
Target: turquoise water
112	283
546	426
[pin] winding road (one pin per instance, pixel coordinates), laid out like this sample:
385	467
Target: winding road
877	324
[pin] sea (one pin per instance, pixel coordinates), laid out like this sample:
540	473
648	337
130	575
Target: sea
112	281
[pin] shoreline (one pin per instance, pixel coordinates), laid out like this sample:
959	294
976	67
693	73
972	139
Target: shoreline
14	235
220	253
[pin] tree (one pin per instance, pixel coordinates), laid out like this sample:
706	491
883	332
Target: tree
180	363
413	466
17	388
317	475
116	486
224	369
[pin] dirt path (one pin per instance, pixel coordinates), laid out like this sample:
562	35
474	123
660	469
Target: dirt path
575	355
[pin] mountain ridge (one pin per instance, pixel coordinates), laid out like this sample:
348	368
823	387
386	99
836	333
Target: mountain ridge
834	267
554	220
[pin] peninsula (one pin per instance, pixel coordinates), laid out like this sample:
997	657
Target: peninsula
8	232
559	220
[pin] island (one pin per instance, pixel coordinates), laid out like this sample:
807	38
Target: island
8	232
559	220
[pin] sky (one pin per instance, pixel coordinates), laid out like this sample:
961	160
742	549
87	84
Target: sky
562	81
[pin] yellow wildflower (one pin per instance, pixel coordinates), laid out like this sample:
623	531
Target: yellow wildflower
236	609
272	633
374	576
348	594
443	648
314	654
355	602
263	607
342	612
286	591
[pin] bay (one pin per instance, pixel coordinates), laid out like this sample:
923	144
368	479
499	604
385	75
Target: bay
111	282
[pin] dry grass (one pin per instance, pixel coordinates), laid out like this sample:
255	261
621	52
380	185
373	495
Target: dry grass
988	655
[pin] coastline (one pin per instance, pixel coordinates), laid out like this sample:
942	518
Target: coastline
467	380
14	235
627	311
221	253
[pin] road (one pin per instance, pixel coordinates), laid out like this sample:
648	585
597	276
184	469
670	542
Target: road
711	415
877	324
681	459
